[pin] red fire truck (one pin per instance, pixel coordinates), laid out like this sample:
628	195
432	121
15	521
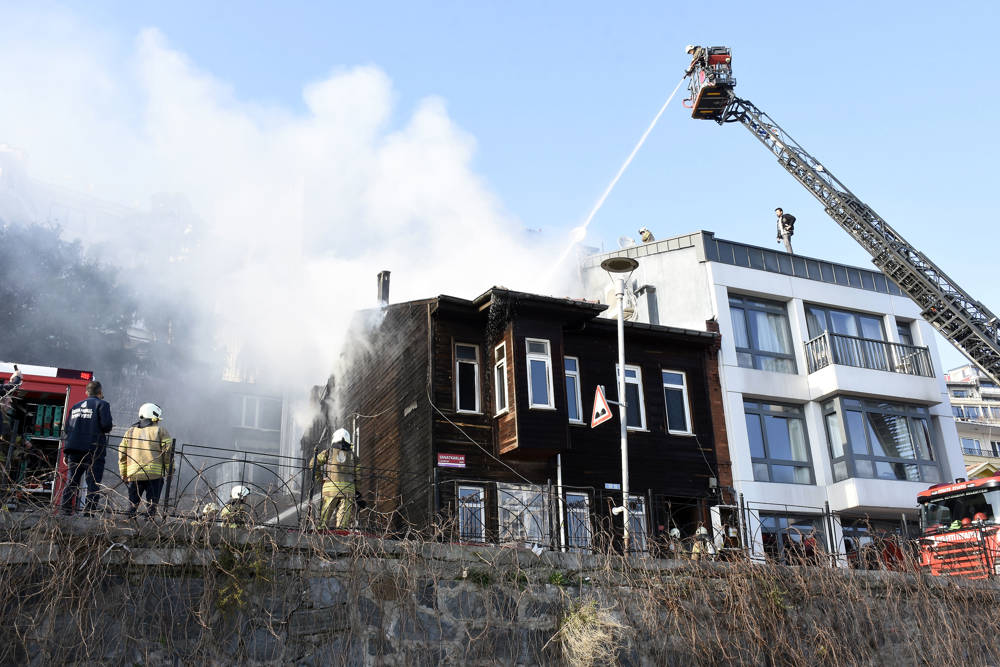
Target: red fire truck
33	467
960	525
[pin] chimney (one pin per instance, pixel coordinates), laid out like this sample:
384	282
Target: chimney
383	289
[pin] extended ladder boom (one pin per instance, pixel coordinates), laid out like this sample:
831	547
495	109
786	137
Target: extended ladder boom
967	323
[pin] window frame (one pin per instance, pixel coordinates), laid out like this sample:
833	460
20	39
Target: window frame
784	411
458	380
576	399
500	379
746	303
684	394
638	539
255	412
642	398
912	413
547	359
480	505
539	527
582	517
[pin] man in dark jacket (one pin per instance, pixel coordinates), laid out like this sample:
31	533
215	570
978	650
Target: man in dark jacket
86	441
786	227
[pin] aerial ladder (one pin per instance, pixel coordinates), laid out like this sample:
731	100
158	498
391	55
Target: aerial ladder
961	319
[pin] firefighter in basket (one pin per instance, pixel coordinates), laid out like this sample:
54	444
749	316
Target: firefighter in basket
337	468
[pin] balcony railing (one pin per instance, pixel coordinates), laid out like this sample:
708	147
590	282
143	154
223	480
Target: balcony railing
829	348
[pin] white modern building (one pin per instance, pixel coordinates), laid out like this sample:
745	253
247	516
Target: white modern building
833	389
975	402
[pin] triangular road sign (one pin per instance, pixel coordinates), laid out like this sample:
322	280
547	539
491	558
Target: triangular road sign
602	412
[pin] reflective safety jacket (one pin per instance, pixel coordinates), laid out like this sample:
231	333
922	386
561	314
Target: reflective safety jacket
145	452
335	467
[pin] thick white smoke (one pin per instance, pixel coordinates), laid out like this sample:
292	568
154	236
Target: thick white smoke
272	220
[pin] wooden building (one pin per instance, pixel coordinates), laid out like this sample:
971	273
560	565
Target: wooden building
477	412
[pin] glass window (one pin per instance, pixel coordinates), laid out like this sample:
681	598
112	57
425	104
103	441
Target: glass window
793	539
904	332
500	377
779	447
574	406
523	513
760	331
676	397
578	530
257	412
843	322
884	440
471	518
635	409
539	374
970	446
466	378
637	523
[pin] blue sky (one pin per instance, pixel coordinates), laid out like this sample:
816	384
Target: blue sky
896	98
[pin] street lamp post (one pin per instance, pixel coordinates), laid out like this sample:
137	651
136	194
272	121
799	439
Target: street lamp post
621	266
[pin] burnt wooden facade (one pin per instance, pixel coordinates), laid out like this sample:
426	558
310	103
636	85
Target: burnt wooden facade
400	383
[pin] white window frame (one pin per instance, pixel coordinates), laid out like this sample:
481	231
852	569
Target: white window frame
523	513
458	388
480	534
500	378
642	399
250	408
579	543
638	538
574	399
687	403
547	358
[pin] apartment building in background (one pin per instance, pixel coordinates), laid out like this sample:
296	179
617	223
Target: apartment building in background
837	412
975	402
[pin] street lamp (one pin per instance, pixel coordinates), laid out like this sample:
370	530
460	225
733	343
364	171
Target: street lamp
621	266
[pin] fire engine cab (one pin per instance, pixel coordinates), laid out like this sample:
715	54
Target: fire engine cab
960	525
32	469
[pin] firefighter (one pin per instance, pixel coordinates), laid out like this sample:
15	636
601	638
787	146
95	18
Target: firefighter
786	227
145	458
703	547
698	56
13	383
646	235
86	442
237	511
338	468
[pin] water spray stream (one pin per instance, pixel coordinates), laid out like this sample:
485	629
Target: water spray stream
577	234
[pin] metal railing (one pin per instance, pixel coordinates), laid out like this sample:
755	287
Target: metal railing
829	348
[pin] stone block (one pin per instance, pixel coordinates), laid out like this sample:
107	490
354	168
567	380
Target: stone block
464	604
319	621
369	612
326	591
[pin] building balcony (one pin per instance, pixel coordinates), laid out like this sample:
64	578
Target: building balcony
877	369
828	348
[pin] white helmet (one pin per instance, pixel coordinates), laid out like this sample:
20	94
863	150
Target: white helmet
701	532
150	411
239	492
341	435
689	48
675	533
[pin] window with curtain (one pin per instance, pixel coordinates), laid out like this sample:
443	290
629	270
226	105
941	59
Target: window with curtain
761	333
779	446
880	440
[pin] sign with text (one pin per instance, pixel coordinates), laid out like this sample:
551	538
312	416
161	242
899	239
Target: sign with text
451	460
602	412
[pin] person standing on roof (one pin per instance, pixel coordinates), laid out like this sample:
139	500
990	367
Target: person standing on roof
339	471
646	235
786	227
86	443
145	457
698	55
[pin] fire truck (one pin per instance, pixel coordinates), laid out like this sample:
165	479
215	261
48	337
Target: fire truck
960	528
959	519
33	470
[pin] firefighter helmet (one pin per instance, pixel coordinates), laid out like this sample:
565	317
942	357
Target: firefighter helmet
675	533
966	521
979	517
150	411
239	492
689	48
342	438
